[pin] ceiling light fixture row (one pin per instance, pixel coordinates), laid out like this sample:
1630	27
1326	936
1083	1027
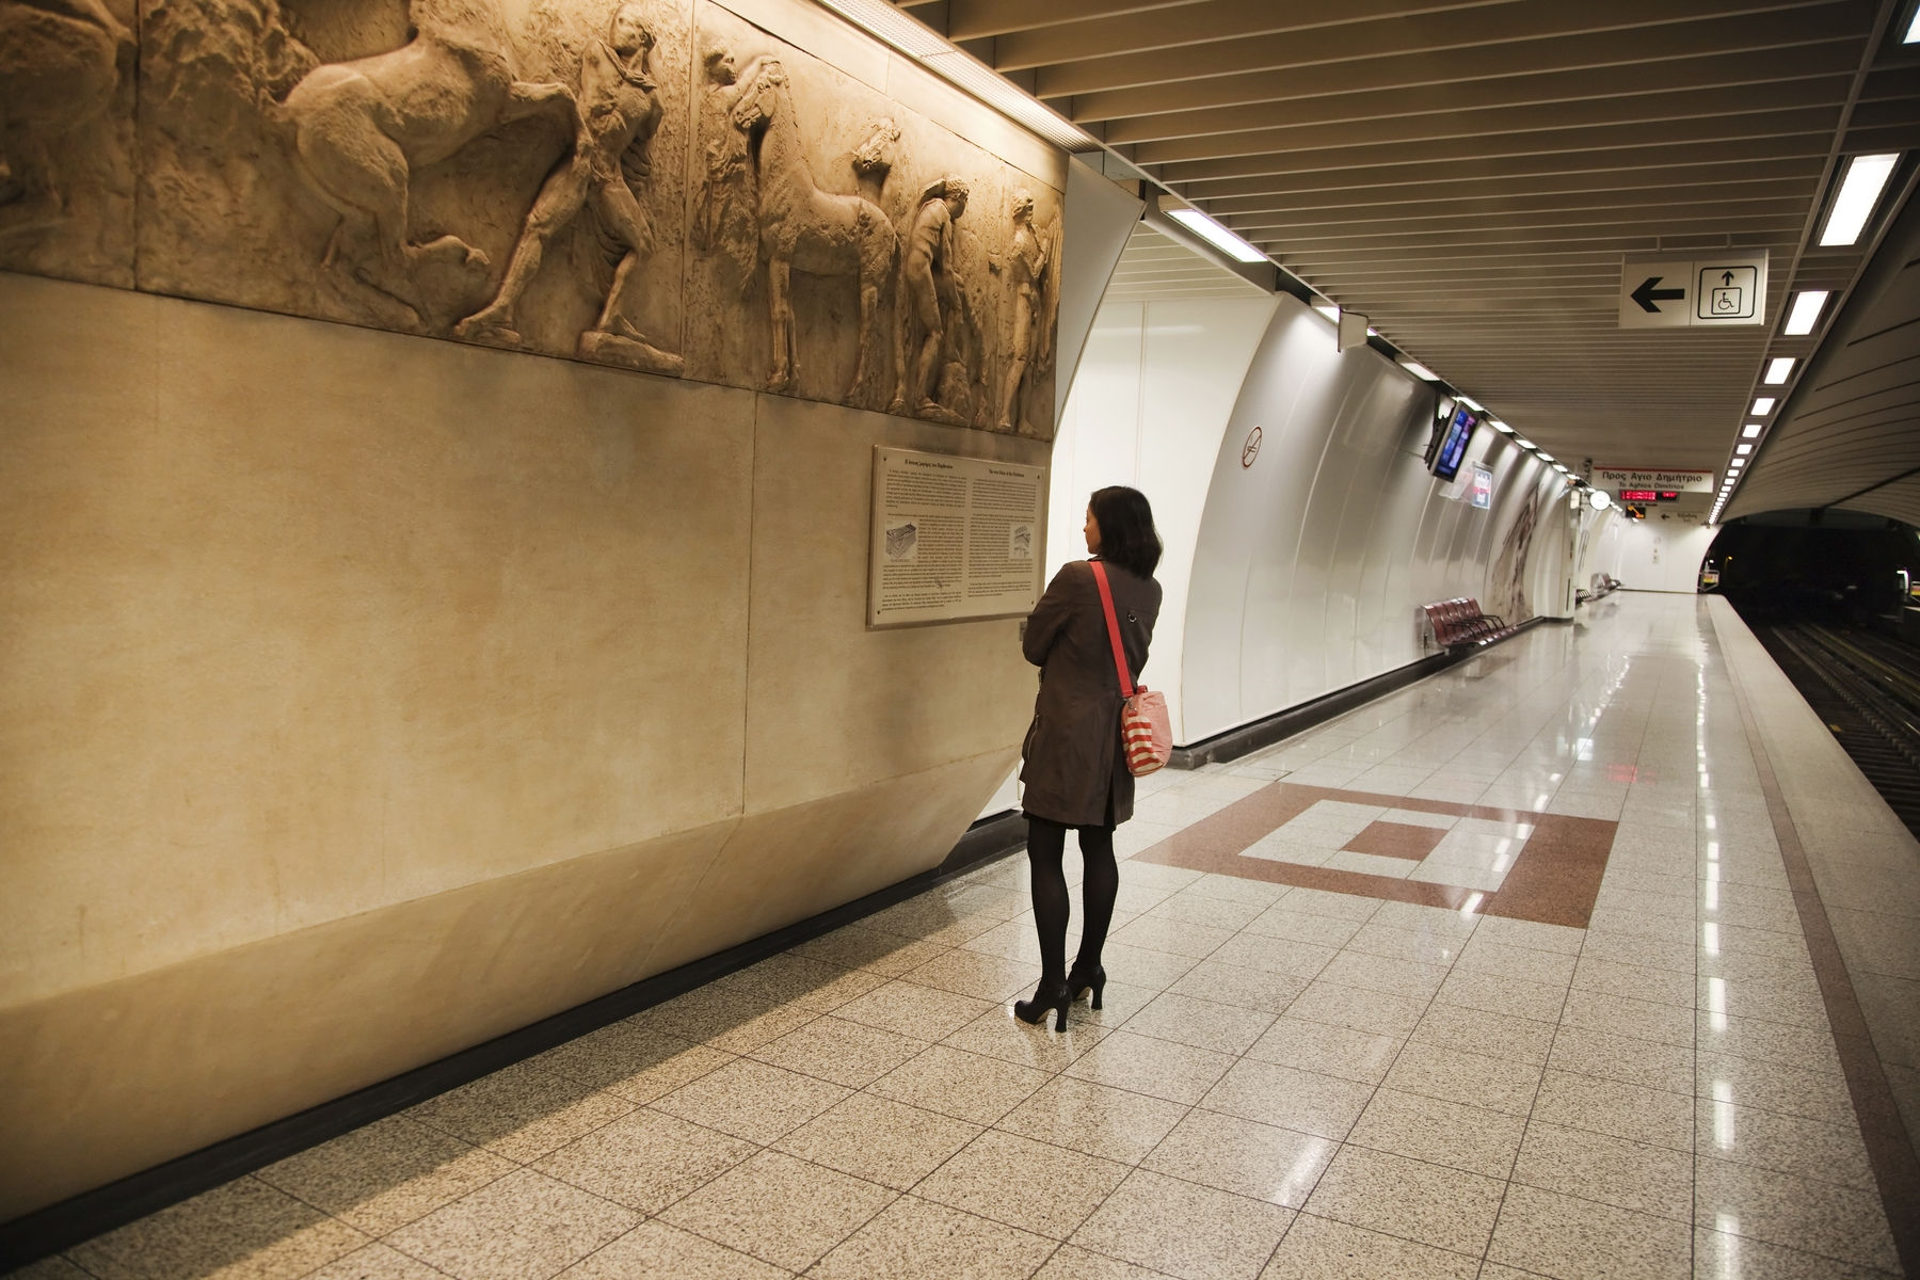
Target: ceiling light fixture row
1863	182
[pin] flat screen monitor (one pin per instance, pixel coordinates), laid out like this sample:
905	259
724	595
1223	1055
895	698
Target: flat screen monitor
1451	440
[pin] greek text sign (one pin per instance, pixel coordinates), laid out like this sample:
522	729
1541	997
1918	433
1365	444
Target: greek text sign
952	538
1619	478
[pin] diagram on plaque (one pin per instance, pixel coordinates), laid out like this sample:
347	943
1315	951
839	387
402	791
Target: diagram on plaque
952	538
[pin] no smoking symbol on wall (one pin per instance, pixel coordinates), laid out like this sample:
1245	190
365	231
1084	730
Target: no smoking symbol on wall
1251	449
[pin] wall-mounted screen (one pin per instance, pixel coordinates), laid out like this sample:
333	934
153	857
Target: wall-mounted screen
1450	444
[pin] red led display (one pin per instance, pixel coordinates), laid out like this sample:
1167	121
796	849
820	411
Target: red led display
1639	495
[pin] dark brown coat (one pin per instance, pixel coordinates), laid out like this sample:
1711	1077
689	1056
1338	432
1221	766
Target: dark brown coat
1073	766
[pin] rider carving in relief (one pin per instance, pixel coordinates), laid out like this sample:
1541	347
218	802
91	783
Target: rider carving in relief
617	115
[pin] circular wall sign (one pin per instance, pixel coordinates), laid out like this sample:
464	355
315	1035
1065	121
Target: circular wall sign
1251	449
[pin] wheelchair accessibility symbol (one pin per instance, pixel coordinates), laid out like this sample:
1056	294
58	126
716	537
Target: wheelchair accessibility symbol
1726	293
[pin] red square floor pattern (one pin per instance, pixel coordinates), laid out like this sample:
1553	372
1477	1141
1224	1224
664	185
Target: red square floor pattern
1554	878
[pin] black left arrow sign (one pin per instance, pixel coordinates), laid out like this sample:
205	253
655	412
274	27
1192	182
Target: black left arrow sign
1646	295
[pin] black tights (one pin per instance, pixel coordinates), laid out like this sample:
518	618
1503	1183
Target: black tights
1046	844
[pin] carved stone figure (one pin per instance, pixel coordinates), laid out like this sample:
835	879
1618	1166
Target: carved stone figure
873	158
60	66
617	111
606	179
1029	265
927	290
360	128
819	232
723	215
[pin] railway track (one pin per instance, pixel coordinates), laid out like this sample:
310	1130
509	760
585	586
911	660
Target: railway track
1867	689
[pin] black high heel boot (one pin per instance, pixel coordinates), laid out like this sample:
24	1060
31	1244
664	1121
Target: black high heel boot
1079	979
1055	997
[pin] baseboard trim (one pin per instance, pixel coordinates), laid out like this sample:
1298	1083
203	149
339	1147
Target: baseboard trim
47	1231
1251	737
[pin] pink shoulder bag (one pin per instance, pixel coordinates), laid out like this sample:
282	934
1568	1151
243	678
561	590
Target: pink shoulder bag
1146	735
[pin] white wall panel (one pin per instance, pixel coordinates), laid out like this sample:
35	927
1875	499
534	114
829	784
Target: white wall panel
1311	565
1099	216
1155	388
1655	554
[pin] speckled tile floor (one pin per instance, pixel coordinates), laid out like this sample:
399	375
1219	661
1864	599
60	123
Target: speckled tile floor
1501	976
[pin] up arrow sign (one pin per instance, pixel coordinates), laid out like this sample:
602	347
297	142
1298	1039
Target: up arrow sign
1646	295
1701	292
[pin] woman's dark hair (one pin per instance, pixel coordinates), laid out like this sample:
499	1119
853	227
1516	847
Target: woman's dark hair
1127	535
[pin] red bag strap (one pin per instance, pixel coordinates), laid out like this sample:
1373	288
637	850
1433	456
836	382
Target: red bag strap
1113	628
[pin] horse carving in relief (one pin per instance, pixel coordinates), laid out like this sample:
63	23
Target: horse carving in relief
61	62
359	129
802	227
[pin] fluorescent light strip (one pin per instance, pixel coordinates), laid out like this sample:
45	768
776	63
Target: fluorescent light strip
1525	444
1779	369
1762	407
993	89
1419	371
1500	426
1473	404
1736	463
896	28
1806	312
1913	30
1742	450
1860	189
1328	310
1750	432
1216	235
1545	456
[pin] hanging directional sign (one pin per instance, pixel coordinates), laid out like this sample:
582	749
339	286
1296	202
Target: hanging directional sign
1709	291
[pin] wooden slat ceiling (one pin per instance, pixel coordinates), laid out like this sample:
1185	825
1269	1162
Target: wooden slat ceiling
1472	174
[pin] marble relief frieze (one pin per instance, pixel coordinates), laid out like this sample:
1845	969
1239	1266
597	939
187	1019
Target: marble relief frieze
656	185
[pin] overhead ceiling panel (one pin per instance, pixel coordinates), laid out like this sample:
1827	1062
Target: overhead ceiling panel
1473	175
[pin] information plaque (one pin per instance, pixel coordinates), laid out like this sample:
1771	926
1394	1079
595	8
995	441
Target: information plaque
952	538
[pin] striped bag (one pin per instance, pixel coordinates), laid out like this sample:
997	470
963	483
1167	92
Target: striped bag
1146	736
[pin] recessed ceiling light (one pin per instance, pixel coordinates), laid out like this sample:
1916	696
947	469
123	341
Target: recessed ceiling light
1419	371
1216	235
1545	456
1866	177
1736	463
1779	369
992	88
1561	467
1762	407
896	28
1750	431
1806	311
1473	404
1742	450
1500	426
1913	31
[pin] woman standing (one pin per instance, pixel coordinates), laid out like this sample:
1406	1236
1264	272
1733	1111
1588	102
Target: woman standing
1075	772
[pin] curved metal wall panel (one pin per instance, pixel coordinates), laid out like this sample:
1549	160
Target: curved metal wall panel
1153	395
1313	558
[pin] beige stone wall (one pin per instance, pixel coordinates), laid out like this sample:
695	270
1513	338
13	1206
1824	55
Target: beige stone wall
364	696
